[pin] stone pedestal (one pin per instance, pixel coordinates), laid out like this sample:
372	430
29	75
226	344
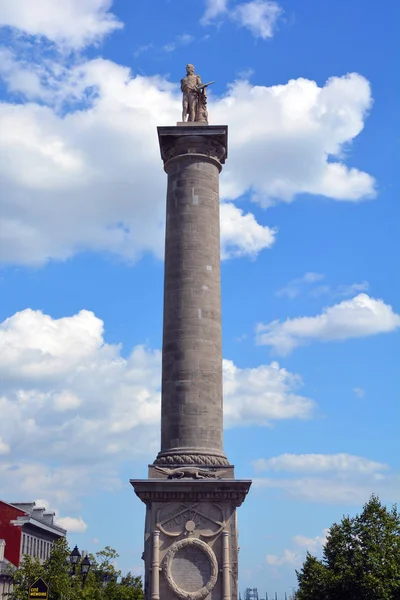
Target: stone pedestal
191	538
191	496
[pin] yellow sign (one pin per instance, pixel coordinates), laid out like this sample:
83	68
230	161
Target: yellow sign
39	589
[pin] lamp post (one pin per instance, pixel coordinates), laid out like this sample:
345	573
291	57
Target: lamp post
74	559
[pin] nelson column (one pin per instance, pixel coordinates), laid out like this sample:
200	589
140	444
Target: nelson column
191	495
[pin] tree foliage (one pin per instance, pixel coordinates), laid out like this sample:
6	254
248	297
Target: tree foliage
103	582
361	559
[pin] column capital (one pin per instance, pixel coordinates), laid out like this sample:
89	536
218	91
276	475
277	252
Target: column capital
209	141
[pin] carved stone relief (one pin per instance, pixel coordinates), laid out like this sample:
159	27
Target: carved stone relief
198	519
191	569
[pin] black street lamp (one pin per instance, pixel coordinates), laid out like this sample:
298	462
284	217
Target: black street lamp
73	559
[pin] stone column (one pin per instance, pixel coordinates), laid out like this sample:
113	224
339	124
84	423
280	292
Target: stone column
226	567
155	583
191	409
191	495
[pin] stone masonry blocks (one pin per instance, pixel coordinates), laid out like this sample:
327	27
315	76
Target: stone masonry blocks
191	413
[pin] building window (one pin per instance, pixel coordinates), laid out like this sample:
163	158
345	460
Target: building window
23	543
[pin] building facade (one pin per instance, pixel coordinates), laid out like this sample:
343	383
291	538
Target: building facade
6	570
27	529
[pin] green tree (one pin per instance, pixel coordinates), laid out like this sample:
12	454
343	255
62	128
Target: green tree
56	573
131	587
361	559
30	569
313	580
101	582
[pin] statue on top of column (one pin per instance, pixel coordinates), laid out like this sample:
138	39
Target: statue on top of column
194	102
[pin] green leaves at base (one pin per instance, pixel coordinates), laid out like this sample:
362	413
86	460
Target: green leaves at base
361	559
103	581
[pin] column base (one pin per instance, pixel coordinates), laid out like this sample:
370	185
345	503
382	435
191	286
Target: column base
191	545
176	457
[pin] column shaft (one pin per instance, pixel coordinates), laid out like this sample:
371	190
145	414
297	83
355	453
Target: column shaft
191	410
155	573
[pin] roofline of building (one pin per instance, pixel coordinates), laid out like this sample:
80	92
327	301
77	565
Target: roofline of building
28	520
16	507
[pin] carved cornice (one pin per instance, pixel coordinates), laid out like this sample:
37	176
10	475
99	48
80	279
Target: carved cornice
207	142
166	490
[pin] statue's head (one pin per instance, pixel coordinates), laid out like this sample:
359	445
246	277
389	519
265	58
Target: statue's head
189	69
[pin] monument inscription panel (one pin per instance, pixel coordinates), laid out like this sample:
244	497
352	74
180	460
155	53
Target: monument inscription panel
191	569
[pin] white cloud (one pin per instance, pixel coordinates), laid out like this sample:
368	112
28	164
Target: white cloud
294	557
340	290
294	288
259	16
288	558
353	288
83	181
214	8
64	385
66	401
181	40
313	545
330	478
285	152
70	23
361	316
241	235
4	448
335	490
320	463
359	392
263	394
72	524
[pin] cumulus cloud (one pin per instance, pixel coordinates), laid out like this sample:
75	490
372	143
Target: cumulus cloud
4	448
258	16
359	392
72	524
71	23
84	180
313	545
262	394
91	407
329	478
241	235
294	556
286	152
214	8
79	188
359	317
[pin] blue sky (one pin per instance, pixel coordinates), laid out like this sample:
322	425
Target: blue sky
310	245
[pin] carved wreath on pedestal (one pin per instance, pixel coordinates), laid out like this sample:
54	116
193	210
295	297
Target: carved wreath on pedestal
191	544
